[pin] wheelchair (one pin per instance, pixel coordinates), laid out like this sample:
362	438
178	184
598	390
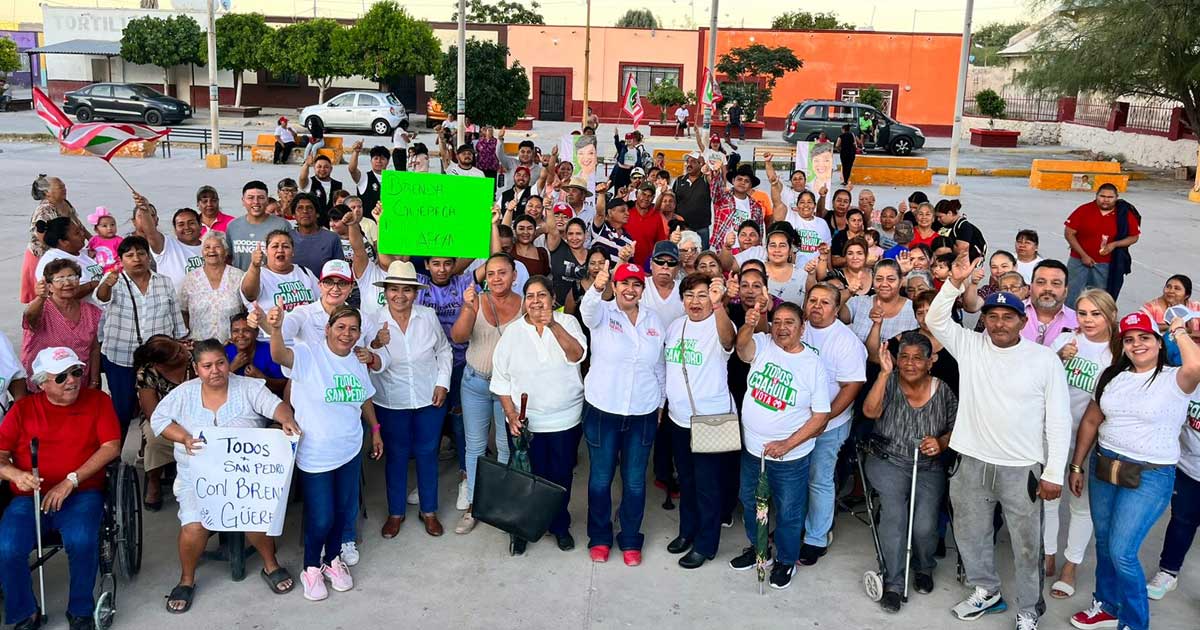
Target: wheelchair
120	543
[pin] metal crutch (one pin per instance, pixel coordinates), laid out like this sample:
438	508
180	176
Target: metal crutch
912	503
37	525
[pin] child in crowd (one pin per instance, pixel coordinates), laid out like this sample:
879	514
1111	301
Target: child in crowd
874	251
1027	253
102	247
274	208
940	269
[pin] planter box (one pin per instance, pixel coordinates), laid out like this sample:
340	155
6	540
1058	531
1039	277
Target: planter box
994	138
230	111
662	129
754	130
523	124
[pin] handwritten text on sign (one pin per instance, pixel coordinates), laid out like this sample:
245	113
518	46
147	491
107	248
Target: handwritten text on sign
242	478
429	214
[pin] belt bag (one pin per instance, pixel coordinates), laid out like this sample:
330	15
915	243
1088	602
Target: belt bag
1121	473
711	433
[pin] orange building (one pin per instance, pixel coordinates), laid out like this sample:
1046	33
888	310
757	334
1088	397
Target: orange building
917	72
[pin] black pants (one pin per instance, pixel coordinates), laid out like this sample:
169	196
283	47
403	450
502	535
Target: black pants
701	476
664	461
400	159
282	151
740	127
847	165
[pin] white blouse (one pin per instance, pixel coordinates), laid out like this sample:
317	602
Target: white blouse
527	363
419	360
627	375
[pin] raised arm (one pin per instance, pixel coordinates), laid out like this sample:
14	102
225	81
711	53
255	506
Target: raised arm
250	281
145	221
745	336
1188	376
302	181
280	353
352	166
873	405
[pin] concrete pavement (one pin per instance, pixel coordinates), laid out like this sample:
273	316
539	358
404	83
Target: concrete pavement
469	581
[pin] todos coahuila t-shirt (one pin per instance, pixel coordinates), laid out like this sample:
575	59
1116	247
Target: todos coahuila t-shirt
1083	370
812	232
707	369
296	288
844	358
328	392
782	392
176	260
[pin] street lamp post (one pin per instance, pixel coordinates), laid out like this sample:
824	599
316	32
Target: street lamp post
712	60
587	55
461	104
215	159
951	187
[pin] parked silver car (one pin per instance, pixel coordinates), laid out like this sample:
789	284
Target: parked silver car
378	112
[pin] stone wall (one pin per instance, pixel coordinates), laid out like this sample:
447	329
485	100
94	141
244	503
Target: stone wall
1138	148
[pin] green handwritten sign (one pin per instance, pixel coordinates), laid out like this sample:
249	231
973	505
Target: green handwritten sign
429	214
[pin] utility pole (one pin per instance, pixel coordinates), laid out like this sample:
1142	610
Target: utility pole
214	159
461	105
712	61
587	55
951	187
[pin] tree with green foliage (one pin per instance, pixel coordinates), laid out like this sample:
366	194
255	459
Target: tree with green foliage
871	95
319	49
1120	48
496	93
753	72
990	104
804	20
637	18
240	41
664	95
389	43
163	42
10	60
991	39
502	12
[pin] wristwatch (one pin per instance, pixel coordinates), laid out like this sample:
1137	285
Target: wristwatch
74	479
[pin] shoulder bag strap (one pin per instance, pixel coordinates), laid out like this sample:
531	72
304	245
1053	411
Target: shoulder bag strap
137	327
683	365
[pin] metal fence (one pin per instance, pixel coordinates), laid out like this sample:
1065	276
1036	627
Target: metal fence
1149	118
1032	109
1095	115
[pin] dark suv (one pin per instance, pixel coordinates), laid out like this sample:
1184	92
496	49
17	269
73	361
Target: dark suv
810	118
125	101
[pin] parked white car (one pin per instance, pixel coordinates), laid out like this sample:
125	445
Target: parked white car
378	112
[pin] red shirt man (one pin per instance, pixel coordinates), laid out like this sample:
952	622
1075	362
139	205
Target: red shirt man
646	225
1092	228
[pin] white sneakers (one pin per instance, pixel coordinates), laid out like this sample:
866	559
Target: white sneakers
350	553
464	501
1027	622
314	578
1161	584
466	524
978	604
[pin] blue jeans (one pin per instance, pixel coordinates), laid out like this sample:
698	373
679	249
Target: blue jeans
481	411
822	463
700	500
1123	517
611	439
1080	277
1185	518
789	497
311	148
122	387
416	433
553	456
330	500
78	522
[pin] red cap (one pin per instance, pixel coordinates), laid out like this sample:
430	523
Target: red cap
521	168
562	208
1137	322
629	136
627	271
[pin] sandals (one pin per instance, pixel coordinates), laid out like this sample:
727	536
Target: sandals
1061	590
181	593
277	577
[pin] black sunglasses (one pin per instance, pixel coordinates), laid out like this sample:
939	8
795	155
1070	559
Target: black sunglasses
62	378
666	262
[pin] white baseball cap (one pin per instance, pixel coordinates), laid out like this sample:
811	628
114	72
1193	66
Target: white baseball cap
55	361
337	269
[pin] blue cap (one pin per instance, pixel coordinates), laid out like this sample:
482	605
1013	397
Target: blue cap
665	248
1004	299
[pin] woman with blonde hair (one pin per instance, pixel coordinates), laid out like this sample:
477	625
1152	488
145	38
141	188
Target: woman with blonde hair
1085	353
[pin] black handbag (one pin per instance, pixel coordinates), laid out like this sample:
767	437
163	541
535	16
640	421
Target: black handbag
512	499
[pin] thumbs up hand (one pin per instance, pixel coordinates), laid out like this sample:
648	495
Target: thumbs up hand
382	338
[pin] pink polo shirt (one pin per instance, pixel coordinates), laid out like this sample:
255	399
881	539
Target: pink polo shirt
220	225
1064	321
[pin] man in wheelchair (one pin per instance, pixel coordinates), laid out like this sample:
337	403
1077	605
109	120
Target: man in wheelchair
78	436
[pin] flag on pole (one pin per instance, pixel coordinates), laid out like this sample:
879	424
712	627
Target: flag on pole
632	103
712	91
102	140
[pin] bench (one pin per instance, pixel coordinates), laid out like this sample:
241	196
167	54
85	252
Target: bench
888	170
1076	175
234	138
264	149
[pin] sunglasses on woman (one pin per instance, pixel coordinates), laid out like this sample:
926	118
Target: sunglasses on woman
62	378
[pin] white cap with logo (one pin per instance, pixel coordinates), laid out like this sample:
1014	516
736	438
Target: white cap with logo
55	361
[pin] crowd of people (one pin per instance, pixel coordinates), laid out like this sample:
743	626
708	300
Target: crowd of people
636	311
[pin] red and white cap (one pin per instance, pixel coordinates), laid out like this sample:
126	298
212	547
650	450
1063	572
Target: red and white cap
55	360
627	271
337	269
563	208
1137	322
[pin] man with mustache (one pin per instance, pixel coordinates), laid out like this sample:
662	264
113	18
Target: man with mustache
1046	312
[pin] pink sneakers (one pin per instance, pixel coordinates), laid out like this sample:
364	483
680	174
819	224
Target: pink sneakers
599	553
633	557
314	584
338	575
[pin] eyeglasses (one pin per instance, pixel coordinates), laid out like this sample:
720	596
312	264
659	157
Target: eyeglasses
666	262
61	280
62	378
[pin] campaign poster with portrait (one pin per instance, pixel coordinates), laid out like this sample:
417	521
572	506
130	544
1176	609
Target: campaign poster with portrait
817	161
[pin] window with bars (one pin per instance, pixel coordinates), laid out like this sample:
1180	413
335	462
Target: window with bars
851	94
647	77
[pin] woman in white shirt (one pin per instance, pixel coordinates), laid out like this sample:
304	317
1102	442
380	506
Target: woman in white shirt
883	315
285	141
624	391
1085	353
1135	419
275	279
214	398
700	342
786	408
539	355
331	392
410	399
